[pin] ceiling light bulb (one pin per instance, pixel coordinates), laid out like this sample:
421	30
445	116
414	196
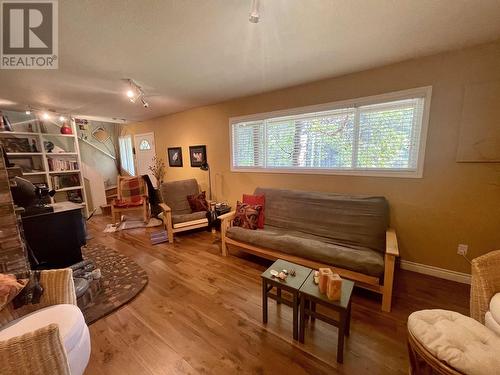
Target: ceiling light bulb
130	93
46	116
254	12
62	118
28	112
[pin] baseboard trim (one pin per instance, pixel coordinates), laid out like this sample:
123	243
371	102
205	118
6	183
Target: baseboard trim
442	273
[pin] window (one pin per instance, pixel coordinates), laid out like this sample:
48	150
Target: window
144	145
382	136
127	154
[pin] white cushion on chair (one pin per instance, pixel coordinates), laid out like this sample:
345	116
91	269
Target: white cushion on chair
460	341
495	307
491	323
72	328
492	317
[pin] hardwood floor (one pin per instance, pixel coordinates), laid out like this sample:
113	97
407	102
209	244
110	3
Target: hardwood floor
201	314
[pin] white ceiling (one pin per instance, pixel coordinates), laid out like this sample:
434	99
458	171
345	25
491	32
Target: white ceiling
186	53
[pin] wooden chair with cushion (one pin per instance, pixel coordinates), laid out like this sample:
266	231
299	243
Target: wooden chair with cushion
485	290
132	196
177	214
50	337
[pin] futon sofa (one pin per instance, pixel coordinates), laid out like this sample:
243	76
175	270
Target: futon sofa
349	233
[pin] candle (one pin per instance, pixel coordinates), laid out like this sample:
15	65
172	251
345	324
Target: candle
334	287
323	278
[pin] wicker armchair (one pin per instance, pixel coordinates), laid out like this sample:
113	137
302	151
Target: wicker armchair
485	283
40	351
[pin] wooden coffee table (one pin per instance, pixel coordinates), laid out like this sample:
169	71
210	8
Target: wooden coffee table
310	296
291	284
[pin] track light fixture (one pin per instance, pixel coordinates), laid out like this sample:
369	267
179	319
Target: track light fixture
254	12
135	93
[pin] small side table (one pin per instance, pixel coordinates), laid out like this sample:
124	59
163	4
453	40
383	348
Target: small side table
213	216
291	284
310	296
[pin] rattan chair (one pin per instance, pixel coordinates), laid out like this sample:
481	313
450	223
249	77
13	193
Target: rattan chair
423	362
41	351
485	283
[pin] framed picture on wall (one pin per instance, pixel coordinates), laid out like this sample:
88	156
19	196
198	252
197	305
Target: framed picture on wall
197	155
174	156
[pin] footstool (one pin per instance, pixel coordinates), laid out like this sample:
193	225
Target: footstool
291	284
446	342
310	296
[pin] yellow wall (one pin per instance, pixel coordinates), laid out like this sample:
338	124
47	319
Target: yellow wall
453	203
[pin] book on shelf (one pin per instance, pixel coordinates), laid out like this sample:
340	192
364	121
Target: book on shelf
65	181
60	165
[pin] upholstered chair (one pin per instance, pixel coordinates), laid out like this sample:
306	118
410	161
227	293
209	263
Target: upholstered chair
50	337
132	196
177	215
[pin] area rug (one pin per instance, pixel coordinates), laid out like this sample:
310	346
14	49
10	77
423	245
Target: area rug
121	280
132	224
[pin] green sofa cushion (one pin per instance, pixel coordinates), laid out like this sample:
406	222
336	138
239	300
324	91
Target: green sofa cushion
175	193
344	219
309	246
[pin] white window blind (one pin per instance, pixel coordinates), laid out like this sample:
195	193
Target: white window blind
383	136
127	154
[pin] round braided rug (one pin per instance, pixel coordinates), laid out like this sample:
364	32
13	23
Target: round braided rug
121	280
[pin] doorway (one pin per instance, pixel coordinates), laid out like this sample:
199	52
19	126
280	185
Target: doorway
145	150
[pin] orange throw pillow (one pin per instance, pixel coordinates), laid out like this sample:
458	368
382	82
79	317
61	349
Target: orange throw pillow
9	288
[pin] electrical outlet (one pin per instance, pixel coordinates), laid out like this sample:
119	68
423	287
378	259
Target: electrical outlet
462	249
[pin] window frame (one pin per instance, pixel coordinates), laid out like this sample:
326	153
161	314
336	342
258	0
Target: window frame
422	92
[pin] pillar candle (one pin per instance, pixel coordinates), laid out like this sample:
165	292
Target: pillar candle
323	278
334	287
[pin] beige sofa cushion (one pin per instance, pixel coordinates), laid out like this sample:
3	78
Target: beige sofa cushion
460	341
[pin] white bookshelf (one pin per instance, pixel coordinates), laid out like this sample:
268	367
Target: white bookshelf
72	154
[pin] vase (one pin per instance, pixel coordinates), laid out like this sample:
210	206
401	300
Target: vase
65	129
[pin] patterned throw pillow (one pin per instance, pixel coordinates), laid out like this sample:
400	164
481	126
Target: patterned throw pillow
198	202
247	215
260	200
9	288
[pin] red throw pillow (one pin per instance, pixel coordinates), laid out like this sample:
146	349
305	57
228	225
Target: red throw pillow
261	201
198	202
246	215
